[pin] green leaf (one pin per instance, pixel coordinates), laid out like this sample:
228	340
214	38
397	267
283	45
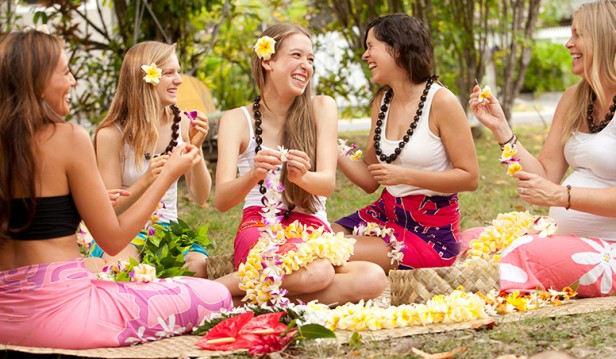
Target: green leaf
355	340
176	228
315	331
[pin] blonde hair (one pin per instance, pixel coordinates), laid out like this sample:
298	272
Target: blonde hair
300	128
136	106
596	22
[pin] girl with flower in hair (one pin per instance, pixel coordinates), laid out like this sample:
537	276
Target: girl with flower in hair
49	182
303	127
420	149
582	253
135	138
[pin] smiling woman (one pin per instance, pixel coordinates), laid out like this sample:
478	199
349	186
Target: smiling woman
143	126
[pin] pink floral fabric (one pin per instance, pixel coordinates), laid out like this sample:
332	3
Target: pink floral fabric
559	261
63	305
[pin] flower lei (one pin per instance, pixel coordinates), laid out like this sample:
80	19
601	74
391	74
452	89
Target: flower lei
513	165
265	267
372	229
152	74
347	151
507	227
265	47
458	306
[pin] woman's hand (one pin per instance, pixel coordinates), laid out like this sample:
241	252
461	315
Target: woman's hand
114	194
199	128
387	174
156	166
298	164
265	160
489	112
182	159
539	191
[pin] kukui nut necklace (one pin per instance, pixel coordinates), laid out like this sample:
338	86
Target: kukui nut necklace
405	139
258	132
175	133
591	120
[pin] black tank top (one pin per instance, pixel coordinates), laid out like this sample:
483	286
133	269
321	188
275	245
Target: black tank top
54	217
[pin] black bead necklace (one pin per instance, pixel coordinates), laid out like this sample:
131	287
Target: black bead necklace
175	133
258	132
405	139
591	120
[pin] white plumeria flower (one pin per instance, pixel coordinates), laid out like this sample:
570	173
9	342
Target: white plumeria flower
604	258
169	329
140	338
143	273
545	226
283	153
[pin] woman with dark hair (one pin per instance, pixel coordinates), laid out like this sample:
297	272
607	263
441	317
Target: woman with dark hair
420	148
581	140
49	181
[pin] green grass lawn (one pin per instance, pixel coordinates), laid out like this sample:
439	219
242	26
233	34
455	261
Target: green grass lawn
496	192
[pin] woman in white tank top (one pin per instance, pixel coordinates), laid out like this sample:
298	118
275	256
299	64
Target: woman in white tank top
420	149
285	114
582	137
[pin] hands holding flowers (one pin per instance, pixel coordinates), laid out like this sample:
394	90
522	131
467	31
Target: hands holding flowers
199	127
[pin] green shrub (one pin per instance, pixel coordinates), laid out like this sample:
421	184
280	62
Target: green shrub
549	69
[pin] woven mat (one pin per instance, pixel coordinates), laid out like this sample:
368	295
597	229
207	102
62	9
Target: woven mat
185	345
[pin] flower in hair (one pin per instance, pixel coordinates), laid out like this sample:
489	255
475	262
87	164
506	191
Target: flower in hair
265	47
152	74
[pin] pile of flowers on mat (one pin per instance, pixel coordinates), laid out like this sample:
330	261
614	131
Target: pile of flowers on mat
266	265
456	307
505	229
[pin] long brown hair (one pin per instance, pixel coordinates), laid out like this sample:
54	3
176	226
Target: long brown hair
596	22
300	131
136	106
27	61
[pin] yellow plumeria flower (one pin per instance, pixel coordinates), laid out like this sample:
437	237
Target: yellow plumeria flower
357	155
265	47
484	94
152	74
513	168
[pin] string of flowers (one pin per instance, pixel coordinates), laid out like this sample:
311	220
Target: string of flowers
458	306
351	151
507	227
265	268
372	229
513	164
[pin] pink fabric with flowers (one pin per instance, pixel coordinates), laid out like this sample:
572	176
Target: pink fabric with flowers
559	261
63	305
248	232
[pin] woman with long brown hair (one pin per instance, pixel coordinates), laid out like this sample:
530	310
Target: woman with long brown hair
49	181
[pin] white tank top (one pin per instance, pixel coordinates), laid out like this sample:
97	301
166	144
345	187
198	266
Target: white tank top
424	151
130	175
589	155
246	162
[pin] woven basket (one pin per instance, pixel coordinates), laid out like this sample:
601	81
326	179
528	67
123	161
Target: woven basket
419	285
218	266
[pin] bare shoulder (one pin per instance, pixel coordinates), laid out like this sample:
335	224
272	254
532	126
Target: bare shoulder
444	97
70	133
235	115
108	133
323	101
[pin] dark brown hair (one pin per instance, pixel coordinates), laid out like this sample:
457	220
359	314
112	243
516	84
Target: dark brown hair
27	61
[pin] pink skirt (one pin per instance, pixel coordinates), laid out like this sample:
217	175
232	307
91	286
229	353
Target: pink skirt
63	305
248	233
555	262
429	226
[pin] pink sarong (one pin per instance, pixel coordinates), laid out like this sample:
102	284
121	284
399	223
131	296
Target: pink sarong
63	305
558	261
248	232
